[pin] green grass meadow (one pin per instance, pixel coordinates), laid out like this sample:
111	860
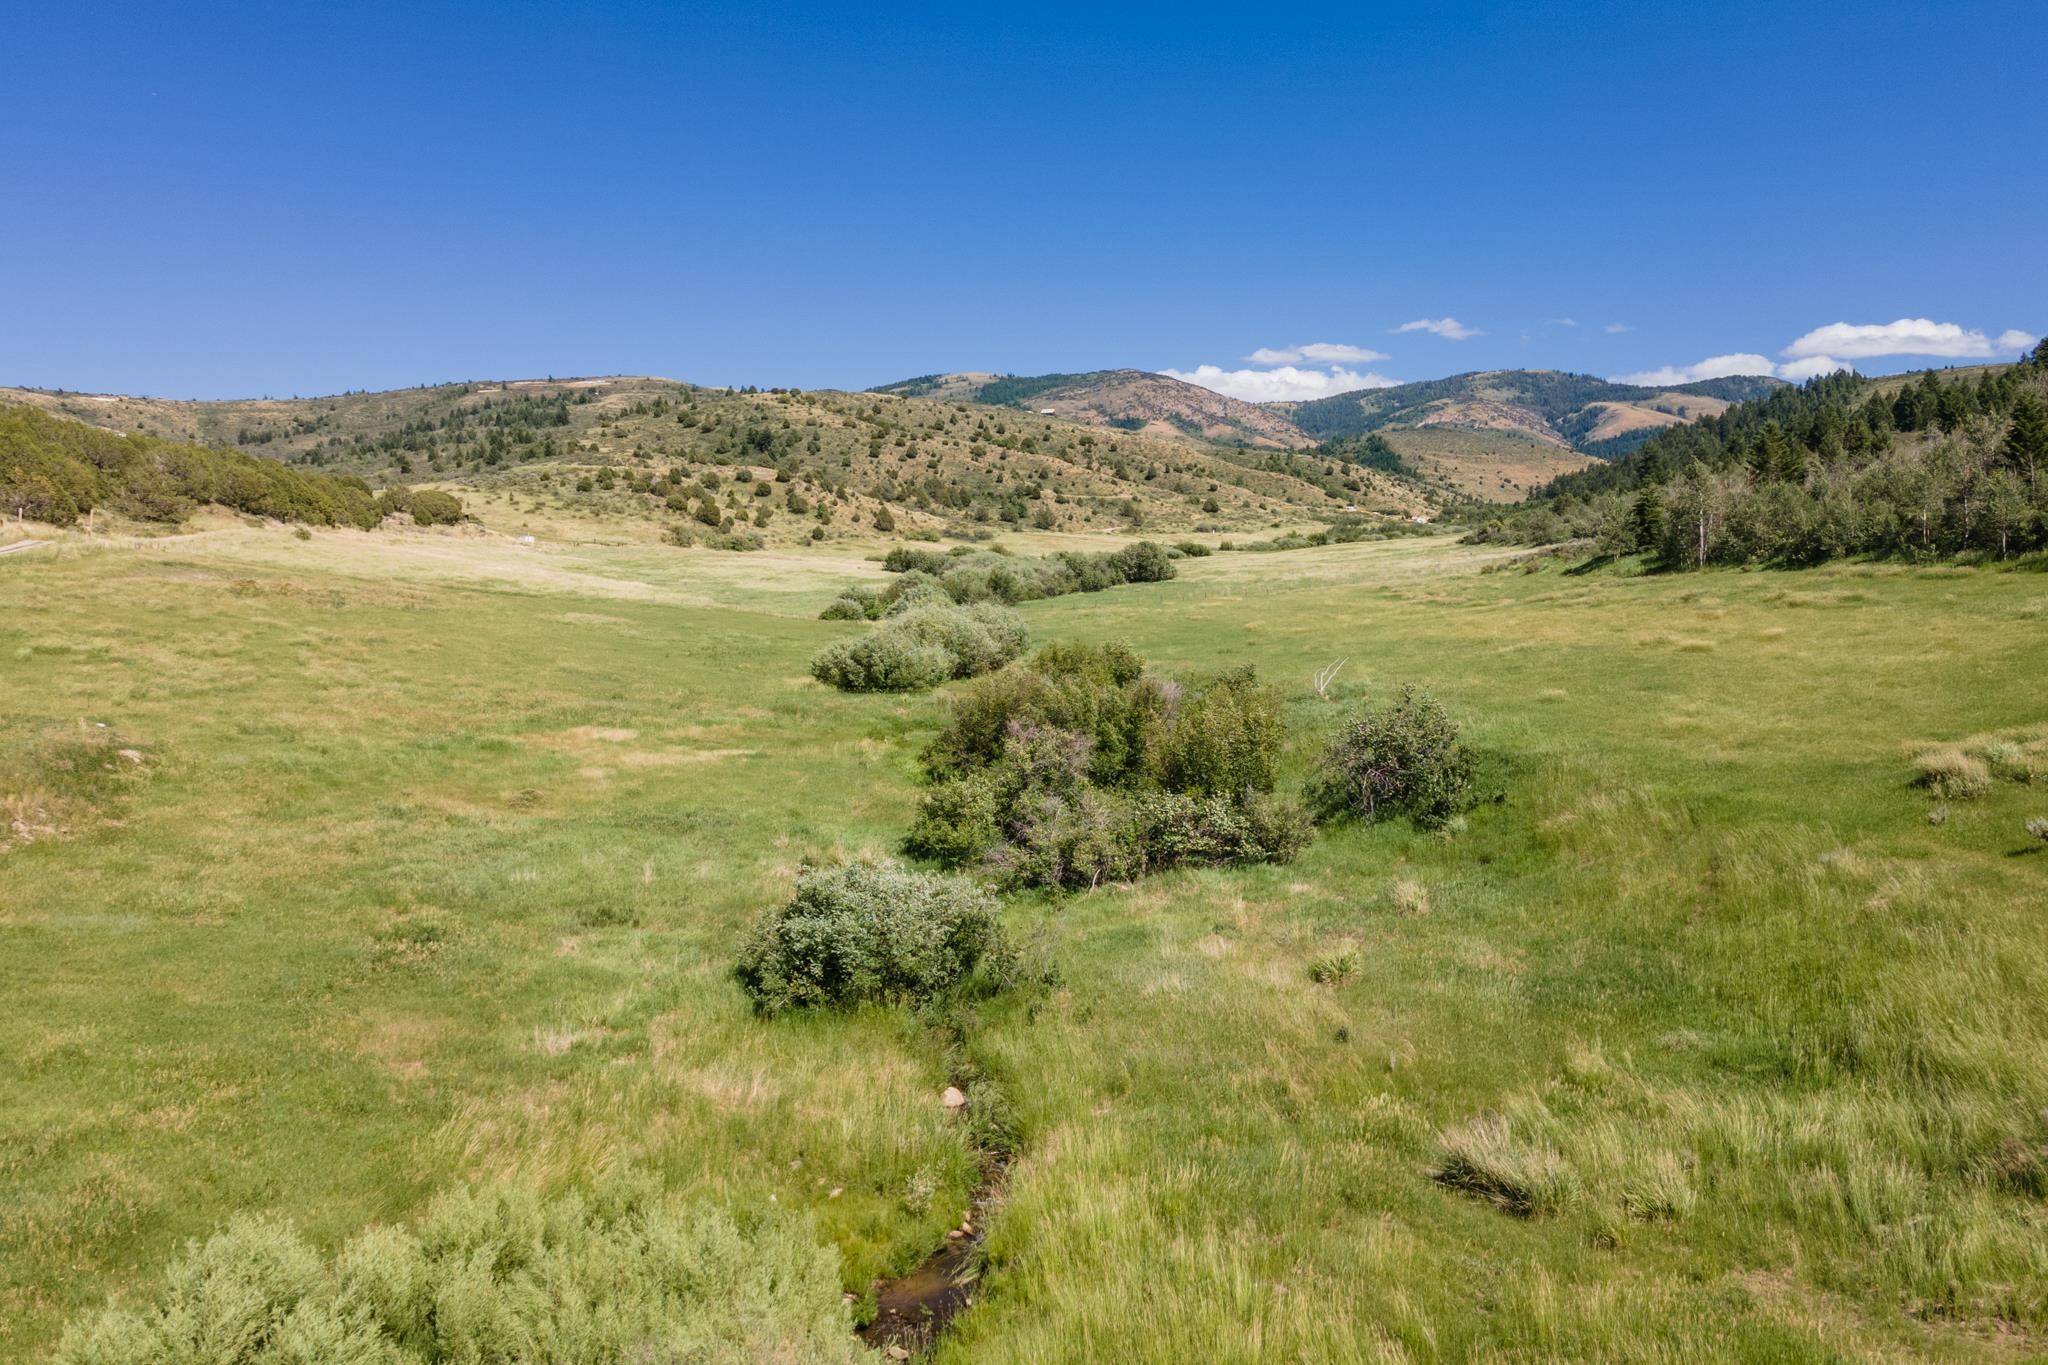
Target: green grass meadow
426	877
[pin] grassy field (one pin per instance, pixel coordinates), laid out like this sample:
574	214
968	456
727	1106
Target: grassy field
433	851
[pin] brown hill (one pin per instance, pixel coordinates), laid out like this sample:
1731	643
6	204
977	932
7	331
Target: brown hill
783	465
1127	400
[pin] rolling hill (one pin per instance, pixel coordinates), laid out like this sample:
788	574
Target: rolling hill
1494	435
778	466
1127	400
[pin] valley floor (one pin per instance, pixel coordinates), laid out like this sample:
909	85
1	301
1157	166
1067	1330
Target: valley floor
433	851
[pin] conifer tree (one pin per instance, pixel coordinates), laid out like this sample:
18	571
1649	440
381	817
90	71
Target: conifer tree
1649	518
2026	443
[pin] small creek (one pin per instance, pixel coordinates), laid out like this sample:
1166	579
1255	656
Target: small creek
911	1310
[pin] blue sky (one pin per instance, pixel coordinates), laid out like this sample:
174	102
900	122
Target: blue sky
222	200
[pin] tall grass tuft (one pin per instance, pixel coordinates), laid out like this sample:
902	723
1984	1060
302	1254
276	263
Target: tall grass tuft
1484	1158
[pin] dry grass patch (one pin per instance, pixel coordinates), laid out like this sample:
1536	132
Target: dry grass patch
1686	644
1410	897
1486	1159
1963	770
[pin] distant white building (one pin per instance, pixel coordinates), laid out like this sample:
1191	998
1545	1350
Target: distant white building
1048	412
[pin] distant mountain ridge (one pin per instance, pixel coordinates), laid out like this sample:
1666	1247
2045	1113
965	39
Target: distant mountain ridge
1574	410
1494	434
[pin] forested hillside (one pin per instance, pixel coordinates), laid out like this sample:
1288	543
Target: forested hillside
1922	466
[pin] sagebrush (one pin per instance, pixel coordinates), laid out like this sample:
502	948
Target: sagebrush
494	1276
1083	768
870	933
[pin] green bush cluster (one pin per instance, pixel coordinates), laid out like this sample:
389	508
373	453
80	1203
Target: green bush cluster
1345	531
1405	759
867	933
1082	768
494	1277
56	470
427	507
431	507
923	647
966	575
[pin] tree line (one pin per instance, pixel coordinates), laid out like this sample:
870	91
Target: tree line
1932	466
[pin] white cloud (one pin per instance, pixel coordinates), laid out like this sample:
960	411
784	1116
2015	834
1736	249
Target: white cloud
1564	322
1280	384
1450	329
1907	336
1617	328
1322	352
1824	350
1713	367
1812	367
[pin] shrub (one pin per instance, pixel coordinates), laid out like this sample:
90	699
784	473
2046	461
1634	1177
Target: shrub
912	592
1952	774
1098	692
862	932
904	558
491	1275
977	638
1143	562
737	540
1225	738
431	507
2006	759
882	661
1404	760
1081	768
1173	830
964	574
855	604
844	608
923	648
957	822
